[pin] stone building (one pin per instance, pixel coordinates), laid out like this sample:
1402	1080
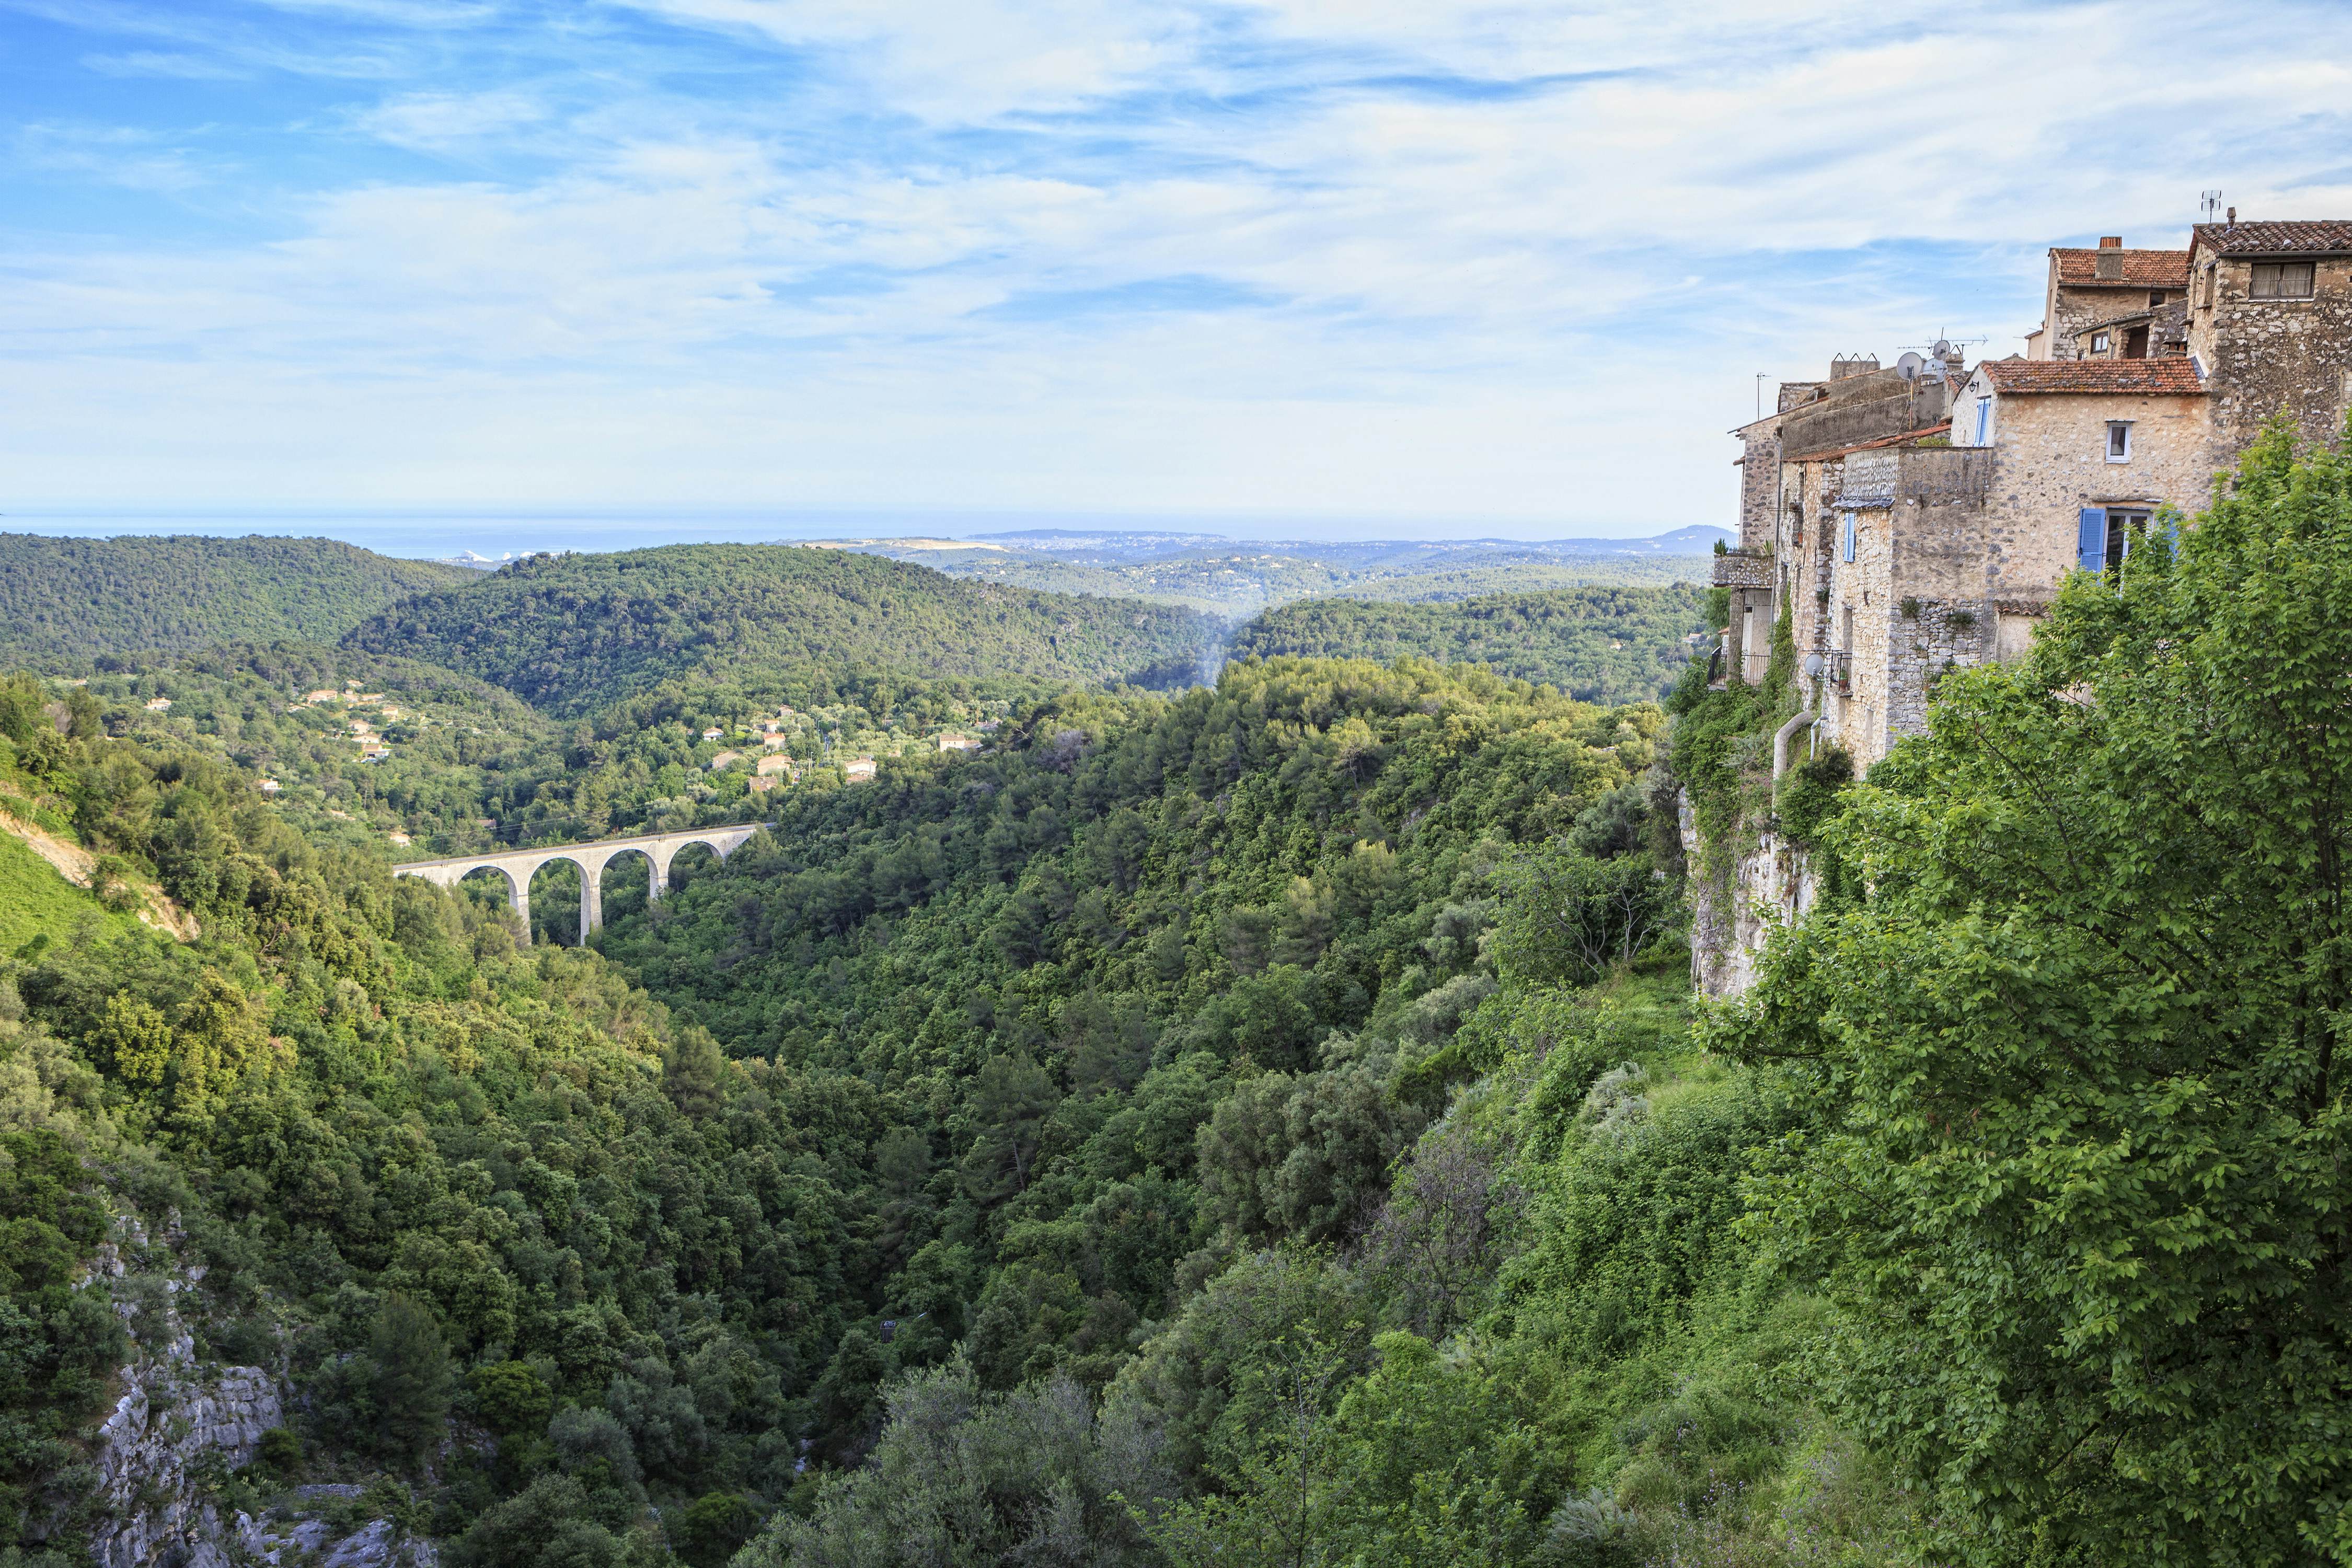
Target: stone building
2090	290
1911	521
2270	317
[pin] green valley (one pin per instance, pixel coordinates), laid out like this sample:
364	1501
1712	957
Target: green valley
1266	1121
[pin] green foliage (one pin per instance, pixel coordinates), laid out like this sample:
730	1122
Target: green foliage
1603	645
966	1476
572	633
66	600
57	1345
2077	1182
1811	793
1571	918
411	1364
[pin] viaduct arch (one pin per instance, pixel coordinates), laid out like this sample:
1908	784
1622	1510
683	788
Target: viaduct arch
518	866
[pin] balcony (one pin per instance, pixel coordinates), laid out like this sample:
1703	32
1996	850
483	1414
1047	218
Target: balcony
1743	569
1837	669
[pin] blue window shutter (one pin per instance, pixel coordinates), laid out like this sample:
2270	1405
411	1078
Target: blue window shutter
1849	536
2170	532
2091	543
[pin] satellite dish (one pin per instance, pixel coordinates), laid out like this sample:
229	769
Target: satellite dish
1909	366
1943	351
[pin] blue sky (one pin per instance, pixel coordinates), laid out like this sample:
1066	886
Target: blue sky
1381	266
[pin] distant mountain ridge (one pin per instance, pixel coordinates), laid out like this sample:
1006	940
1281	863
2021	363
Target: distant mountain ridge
69	599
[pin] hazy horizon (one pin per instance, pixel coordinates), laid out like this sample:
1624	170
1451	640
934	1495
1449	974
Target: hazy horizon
413	532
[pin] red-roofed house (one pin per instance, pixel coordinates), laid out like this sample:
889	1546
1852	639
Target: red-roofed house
2088	285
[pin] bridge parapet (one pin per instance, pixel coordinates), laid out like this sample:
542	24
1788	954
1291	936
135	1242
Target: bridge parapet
518	866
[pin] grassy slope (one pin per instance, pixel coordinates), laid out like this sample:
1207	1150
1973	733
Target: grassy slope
572	633
1605	644
63	600
37	900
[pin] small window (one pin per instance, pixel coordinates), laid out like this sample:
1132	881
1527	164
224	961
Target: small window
2099	342
2121	528
2119	440
2155	296
1984	421
1849	536
2282	281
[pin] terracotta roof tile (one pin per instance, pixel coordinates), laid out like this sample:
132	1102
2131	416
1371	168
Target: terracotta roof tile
2276	239
2173	375
2141	268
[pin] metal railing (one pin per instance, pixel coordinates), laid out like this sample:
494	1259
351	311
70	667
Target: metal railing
1840	671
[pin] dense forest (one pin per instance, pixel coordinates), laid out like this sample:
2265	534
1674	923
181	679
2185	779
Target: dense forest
69	600
1235	580
1265	1124
572	634
1604	644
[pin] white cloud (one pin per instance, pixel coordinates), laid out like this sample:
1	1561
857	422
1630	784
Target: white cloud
1508	262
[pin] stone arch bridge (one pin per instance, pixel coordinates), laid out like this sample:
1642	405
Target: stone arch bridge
518	866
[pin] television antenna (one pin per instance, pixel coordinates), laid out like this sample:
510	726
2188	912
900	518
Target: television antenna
2211	201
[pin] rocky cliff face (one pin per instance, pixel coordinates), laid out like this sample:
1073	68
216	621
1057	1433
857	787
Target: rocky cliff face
180	1427
1774	882
176	1426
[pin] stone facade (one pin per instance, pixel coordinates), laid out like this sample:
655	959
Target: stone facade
2088	285
2265	356
1923	523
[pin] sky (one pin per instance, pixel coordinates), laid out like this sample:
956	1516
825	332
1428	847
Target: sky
1307	268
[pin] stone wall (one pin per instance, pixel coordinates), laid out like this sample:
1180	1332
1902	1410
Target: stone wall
1771	884
1759	482
2263	355
2049	461
1925	641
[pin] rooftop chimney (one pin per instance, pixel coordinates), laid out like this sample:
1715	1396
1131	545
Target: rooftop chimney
2233	215
2111	242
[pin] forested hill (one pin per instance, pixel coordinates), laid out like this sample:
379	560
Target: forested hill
1603	645
77	598
572	633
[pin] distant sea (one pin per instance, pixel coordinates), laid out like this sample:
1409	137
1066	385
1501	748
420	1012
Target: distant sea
498	535
440	535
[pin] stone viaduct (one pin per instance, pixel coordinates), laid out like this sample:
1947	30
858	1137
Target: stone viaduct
517	866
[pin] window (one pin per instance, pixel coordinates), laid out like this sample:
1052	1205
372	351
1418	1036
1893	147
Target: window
2099	342
2106	536
1849	536
2136	343
1984	421
2282	281
2155	296
2122	526
2119	440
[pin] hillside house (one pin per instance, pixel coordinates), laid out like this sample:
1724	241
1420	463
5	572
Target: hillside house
858	770
2108	292
952	741
773	764
1920	519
